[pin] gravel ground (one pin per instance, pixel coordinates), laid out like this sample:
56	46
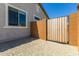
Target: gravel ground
36	48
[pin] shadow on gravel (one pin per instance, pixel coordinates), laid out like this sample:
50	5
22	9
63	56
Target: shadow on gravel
10	44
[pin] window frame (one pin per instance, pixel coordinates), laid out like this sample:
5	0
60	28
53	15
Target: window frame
6	17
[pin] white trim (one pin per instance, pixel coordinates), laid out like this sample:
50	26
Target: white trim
16	7
6	17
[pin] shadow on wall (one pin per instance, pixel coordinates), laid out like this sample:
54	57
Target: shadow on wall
11	44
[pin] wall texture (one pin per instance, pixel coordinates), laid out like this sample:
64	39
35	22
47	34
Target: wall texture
7	34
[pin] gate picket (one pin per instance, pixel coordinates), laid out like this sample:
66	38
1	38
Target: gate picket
57	29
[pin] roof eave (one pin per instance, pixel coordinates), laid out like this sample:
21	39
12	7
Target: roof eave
43	10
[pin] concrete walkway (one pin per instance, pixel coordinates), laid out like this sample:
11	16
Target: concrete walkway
36	48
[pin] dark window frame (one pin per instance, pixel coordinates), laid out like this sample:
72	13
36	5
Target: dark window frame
37	17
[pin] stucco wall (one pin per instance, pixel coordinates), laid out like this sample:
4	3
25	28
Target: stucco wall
7	34
2	15
40	13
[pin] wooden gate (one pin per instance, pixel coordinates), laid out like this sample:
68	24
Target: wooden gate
57	29
38	29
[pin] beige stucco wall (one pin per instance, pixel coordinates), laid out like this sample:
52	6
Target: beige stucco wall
2	15
7	34
40	13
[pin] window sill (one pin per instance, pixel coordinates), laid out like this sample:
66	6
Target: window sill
14	27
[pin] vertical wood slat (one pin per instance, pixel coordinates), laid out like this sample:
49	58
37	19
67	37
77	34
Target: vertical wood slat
60	29
38	29
57	29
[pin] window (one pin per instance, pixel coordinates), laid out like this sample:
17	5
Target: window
16	17
37	18
22	18
12	16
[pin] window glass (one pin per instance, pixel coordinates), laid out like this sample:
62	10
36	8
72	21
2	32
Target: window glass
12	16
16	17
22	18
